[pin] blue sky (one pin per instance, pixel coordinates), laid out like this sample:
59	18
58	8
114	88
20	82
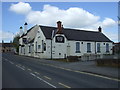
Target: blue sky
12	20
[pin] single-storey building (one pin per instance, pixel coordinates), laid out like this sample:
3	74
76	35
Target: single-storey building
59	42
6	47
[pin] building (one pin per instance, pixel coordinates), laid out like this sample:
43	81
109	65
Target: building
59	42
116	48
6	47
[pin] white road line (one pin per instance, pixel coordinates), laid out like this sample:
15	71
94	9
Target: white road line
47	82
29	69
43	80
36	73
6	59
20	67
11	62
47	77
33	74
105	77
64	85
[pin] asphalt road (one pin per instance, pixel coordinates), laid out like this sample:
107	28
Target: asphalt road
24	72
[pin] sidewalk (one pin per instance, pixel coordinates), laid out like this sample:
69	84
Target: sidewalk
86	66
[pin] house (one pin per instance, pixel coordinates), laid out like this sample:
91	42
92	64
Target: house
59	42
6	47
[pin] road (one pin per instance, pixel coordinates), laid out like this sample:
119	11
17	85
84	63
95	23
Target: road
24	72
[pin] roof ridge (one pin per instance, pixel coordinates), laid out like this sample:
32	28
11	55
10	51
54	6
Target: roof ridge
70	29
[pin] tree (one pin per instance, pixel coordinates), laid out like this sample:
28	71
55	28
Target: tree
16	42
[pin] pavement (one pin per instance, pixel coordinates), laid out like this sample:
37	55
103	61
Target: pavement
27	72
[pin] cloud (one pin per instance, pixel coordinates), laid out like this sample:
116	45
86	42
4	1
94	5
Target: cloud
108	22
20	8
72	17
6	36
112	36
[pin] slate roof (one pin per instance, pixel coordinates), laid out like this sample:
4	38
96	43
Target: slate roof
28	31
77	35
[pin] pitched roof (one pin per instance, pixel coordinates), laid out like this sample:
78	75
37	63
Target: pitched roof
6	45
28	31
77	35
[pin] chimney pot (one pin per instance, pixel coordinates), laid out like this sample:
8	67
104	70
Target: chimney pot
100	29
21	27
25	23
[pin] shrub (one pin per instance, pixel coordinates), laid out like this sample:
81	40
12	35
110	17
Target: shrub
72	58
108	62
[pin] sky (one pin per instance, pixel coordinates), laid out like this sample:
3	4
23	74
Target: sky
78	15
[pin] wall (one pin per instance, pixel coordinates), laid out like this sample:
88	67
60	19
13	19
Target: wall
40	39
59	50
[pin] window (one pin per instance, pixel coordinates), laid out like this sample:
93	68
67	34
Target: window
24	40
21	49
38	36
44	46
29	49
107	47
77	47
39	46
36	47
59	39
88	47
98	47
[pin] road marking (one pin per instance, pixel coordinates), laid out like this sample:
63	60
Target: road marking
36	73
23	66
6	59
114	79
47	77
33	74
20	67
43	80
11	62
64	85
47	82
29	69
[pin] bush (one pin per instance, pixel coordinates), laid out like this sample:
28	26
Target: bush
72	58
108	62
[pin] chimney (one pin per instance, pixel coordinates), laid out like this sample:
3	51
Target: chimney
59	27
21	31
100	29
25	27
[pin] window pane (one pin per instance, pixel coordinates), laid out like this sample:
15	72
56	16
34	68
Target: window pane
107	47
98	47
39	46
77	47
88	47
